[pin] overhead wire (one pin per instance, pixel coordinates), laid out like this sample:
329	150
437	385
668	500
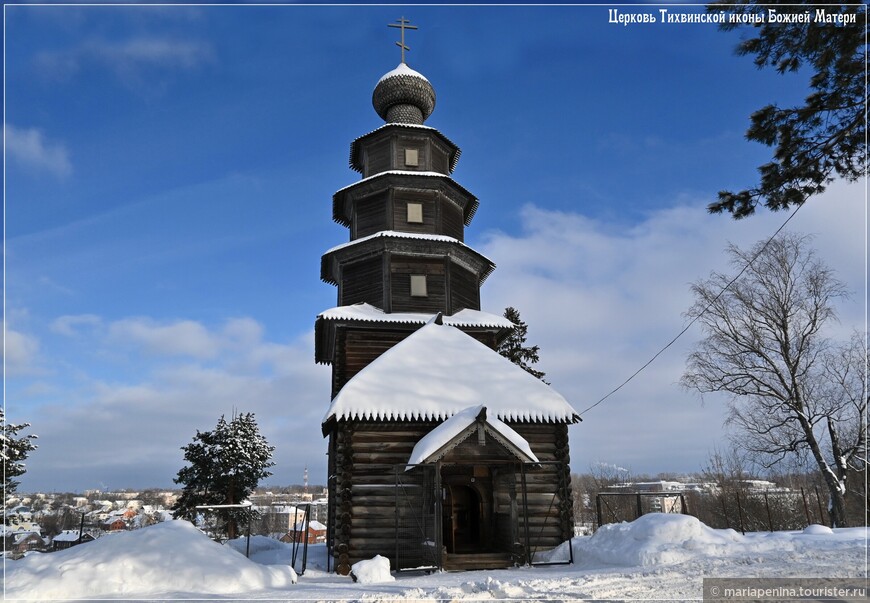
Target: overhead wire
701	313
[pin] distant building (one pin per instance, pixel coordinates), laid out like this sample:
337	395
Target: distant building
25	541
316	533
70	538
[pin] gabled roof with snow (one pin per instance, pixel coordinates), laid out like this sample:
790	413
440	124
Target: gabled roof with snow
67	536
312	525
457	428
364	312
436	372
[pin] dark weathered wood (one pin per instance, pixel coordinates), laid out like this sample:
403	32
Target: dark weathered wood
368	157
400	294
361	282
450	190
377	156
370	216
420	144
440	157
400	212
451	220
464	290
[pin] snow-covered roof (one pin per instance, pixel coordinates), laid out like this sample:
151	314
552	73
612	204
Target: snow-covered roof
402	69
312	525
24	536
368	313
436	372
437	442
398	234
399	173
67	536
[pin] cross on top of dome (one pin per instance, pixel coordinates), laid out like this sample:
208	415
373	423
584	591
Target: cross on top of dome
403	95
403	24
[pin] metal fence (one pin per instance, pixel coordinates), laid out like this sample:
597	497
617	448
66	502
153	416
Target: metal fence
417	526
615	507
544	514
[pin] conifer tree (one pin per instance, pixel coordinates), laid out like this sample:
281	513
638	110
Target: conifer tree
14	451
514	349
224	467
823	138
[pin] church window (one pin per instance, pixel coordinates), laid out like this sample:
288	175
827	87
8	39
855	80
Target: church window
412	158
418	285
415	213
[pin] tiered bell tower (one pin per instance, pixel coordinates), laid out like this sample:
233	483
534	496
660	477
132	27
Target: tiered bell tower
406	260
401	368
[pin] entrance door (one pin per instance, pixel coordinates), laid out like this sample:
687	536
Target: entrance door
462	521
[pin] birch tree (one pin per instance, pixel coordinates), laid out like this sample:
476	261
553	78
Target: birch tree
792	391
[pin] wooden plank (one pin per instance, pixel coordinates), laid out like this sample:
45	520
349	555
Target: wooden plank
376	157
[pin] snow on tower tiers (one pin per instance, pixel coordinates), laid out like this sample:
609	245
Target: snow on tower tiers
404	96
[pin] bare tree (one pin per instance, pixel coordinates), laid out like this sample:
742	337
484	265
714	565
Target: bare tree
765	346
845	396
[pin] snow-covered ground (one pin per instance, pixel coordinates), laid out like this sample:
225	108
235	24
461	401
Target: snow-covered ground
659	556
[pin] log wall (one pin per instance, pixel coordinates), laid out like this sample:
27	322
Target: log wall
363	493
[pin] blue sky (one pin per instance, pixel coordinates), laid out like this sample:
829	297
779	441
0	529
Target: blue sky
169	174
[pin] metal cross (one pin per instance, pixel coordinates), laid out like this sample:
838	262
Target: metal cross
403	24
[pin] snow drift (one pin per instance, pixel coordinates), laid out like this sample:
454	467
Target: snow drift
172	557
653	539
662	539
659	556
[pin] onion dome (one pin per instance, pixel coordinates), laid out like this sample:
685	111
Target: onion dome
404	96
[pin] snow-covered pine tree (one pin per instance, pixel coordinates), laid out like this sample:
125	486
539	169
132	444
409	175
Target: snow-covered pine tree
514	349
224	467
15	450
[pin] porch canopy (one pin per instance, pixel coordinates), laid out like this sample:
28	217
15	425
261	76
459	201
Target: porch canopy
439	371
452	432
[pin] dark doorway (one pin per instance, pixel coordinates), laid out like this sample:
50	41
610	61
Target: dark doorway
462	526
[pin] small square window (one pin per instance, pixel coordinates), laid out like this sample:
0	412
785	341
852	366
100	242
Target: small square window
411	158
418	285
415	213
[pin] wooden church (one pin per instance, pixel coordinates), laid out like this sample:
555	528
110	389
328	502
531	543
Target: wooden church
442	453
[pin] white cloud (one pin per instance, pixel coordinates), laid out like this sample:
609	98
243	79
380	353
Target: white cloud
127	59
601	299
127	430
20	354
175	53
68	325
29	148
179	338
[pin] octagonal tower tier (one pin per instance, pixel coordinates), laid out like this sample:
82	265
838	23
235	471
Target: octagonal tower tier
406	219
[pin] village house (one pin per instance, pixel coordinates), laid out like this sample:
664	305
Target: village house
18	543
315	534
70	538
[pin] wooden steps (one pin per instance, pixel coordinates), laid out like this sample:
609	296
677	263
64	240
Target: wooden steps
456	562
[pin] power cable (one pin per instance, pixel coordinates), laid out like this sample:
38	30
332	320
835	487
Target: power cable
701	313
